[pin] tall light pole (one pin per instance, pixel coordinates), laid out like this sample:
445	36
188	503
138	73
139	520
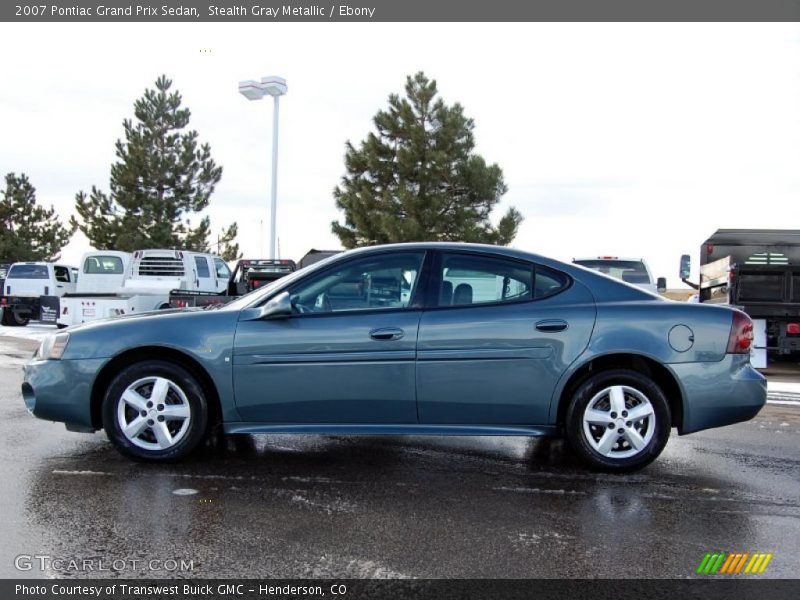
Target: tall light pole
254	90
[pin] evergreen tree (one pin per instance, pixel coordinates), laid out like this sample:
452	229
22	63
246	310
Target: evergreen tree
417	177
162	178
28	231
226	245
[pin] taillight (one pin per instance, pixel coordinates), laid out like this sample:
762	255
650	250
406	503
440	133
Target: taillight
793	328
741	337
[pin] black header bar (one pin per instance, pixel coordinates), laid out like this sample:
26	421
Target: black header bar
221	11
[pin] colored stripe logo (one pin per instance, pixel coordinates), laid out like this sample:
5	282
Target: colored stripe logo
734	563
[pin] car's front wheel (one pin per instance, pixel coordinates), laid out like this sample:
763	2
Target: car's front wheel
618	420
156	411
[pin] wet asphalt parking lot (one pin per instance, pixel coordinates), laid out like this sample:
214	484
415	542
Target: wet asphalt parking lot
346	506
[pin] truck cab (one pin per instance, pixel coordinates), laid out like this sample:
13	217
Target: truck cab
758	272
630	270
146	282
252	273
26	282
161	271
102	272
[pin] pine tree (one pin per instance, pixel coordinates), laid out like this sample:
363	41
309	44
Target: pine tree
28	231
226	245
417	177
162	178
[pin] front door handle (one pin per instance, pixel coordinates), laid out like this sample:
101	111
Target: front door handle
551	325
385	334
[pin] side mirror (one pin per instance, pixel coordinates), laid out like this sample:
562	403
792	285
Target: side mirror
278	307
661	285
686	266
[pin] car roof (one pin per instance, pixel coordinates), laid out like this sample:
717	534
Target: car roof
454	246
609	258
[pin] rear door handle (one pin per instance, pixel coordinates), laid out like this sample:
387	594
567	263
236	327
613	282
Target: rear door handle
551	325
385	334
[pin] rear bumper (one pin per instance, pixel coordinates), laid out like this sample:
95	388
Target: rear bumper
61	390
719	393
25	307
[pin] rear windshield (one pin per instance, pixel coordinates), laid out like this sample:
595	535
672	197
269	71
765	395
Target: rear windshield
629	271
28	272
103	265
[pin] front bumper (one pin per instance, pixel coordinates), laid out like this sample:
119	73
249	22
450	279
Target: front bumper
719	393
61	390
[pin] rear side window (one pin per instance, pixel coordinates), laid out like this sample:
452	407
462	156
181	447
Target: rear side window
28	272
103	265
202	266
473	279
548	282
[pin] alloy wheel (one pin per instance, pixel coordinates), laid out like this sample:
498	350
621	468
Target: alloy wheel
153	413
619	422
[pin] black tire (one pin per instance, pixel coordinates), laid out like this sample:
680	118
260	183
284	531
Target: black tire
12	319
197	427
594	385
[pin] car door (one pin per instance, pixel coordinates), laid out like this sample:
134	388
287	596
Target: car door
346	354
501	334
64	280
205	280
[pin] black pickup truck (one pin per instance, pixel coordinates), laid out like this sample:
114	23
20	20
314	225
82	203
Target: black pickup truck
757	271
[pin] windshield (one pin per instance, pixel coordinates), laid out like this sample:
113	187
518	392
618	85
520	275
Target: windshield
629	271
262	292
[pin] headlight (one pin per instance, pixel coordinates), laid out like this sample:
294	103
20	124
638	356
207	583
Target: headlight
53	347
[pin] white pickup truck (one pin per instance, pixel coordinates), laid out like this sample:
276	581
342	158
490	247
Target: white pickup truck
27	282
148	279
630	270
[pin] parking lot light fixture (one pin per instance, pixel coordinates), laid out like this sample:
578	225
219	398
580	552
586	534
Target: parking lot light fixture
255	90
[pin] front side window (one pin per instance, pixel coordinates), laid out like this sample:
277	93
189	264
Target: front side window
472	279
103	265
386	281
62	274
202	266
223	272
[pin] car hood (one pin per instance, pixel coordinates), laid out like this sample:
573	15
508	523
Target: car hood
194	330
128	318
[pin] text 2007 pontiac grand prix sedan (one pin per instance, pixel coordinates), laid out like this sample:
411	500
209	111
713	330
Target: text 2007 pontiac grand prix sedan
428	338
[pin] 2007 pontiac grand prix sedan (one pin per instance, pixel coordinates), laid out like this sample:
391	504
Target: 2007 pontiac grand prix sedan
424	338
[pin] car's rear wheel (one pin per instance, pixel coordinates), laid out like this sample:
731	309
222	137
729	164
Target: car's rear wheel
155	411
13	319
618	420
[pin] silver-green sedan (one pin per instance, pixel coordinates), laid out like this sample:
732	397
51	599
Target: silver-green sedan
427	338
